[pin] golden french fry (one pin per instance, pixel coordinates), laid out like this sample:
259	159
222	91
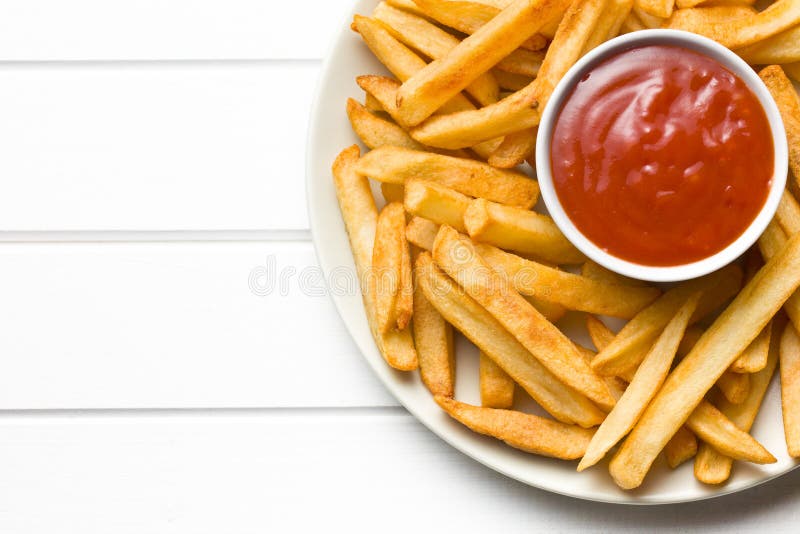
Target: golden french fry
780	48
497	388
511	81
710	466
714	428
360	219
788	214
599	333
372	103
632	23
625	351
737	26
433	338
478	325
684	389
456	255
514	150
790	388
473	178
435	43
734	386
521	62
770	243
421	232
426	91
374	131
404	305
754	357
520	230
526	432
387	264
609	23
789	105
393	192
658	9
522	109
596	271
435	202
646	382
573	291
681	447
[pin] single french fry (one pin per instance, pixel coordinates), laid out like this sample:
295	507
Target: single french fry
625	351
780	48
526	432
734	386
573	291
514	149
684	389
754	357
609	23
372	103
710	466
456	256
360	219
478	325
433	338
421	232
646	382
426	91
520	230
435	43
376	132
522	109
737	26
790	388
596	271
435	202
497	388
511	81
393	192
781	89
387	260
770	243
681	447
711	426
654	8
404	305
599	333
473	178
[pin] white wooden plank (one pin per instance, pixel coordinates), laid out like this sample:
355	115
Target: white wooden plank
304	472
178	29
160	325
198	146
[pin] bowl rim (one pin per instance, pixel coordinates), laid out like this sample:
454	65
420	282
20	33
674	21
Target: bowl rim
732	62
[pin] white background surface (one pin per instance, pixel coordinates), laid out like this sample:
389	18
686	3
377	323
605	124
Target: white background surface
151	162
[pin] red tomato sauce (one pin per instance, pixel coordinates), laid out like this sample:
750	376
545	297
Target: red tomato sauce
661	156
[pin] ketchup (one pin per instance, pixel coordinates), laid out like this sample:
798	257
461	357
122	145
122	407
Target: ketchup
661	156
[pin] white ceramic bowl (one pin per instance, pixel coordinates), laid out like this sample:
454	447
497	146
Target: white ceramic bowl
708	48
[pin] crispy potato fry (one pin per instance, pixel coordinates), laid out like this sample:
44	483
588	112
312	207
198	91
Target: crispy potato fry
511	81
609	23
526	432
596	271
754	357
734	386
681	447
625	352
781	48
426	91
632	23
372	103
788	214
573	291
657	9
437	203
599	333
518	229
481	328
456	255
710	466
360	219
770	243
468	17
790	388
736	26
646	382
714	428
473	178
684	389
393	192
435	43
497	388
433	338
376	132
421	232
521	62
514	150
522	109
387	264
789	105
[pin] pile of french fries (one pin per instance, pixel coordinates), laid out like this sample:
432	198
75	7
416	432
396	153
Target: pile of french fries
458	245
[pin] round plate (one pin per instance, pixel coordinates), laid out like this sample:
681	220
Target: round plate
329	133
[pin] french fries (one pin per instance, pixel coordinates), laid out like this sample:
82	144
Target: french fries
389	263
422	232
497	388
520	230
656	8
734	386
790	388
714	428
648	379
457	257
376	132
435	202
396	165
789	105
514	149
526	432
730	334
609	23
681	447
360	219
781	48
478	325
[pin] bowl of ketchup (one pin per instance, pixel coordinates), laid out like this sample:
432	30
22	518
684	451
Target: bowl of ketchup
661	155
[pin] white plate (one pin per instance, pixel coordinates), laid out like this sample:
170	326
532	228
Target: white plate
329	133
